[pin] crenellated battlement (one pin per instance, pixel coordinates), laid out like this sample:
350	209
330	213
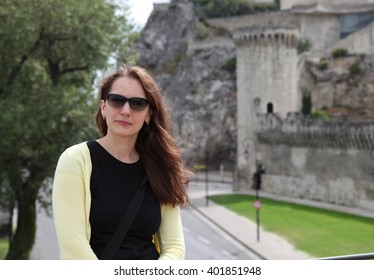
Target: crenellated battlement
300	131
267	36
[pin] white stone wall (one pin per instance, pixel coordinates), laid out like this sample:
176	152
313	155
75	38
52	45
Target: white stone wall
322	30
216	42
335	176
246	116
361	42
288	4
266	73
270	70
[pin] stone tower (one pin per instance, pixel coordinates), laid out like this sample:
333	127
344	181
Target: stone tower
266	83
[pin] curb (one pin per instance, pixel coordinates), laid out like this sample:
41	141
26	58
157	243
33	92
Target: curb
260	257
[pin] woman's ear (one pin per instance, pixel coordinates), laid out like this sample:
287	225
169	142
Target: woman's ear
102	108
148	117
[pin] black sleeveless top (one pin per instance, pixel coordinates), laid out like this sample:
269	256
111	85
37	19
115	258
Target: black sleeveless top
113	184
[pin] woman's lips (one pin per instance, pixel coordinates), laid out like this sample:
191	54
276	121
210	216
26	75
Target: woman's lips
124	123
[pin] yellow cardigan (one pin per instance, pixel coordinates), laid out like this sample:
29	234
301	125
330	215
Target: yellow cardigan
71	200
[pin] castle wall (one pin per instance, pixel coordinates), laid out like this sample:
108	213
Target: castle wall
322	30
266	80
360	42
216	42
318	161
304	159
270	60
288	4
246	160
335	176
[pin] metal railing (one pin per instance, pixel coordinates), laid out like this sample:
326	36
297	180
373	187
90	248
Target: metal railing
366	256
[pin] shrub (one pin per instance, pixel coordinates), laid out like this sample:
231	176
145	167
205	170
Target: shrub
323	64
205	31
339	52
230	65
201	31
172	65
354	69
319	114
304	45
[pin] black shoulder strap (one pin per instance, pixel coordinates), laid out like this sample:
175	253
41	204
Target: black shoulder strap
125	223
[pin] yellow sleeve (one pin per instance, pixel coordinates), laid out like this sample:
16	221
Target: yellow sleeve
170	234
69	200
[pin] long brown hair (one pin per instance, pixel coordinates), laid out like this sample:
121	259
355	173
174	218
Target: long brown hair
155	145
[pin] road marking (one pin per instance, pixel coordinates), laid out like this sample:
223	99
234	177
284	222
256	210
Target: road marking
202	239
223	234
227	254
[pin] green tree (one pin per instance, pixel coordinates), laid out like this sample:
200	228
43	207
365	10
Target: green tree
50	52
228	8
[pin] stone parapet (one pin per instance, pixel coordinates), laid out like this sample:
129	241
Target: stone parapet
266	36
299	131
216	42
267	19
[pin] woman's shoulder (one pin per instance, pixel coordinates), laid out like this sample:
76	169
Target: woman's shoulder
74	159
78	151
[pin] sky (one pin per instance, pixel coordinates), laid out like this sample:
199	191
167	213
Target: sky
141	9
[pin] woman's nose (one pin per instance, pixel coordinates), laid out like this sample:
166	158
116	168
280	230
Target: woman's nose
126	109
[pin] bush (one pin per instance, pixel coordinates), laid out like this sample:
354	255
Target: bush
205	31
230	65
354	69
201	31
323	64
339	52
319	114
172	65
304	45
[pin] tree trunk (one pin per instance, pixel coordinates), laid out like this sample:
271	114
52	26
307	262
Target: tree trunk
24	237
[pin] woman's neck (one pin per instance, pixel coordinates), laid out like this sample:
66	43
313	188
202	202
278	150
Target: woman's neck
122	149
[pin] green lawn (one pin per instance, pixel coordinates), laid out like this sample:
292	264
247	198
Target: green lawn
320	233
3	247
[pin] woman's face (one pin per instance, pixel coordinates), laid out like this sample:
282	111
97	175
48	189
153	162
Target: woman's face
123	120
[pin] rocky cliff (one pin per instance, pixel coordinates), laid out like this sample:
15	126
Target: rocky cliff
341	86
199	85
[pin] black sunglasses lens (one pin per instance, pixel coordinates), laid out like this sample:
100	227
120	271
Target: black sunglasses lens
116	101
138	104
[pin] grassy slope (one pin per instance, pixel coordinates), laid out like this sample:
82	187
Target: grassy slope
318	232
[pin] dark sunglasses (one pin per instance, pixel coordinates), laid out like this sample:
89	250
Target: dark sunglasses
118	101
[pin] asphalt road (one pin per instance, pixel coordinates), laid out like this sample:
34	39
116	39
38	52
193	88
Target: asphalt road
204	240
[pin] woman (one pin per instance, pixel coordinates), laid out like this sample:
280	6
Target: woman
95	181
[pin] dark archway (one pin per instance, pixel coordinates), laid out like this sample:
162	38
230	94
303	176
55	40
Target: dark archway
270	108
